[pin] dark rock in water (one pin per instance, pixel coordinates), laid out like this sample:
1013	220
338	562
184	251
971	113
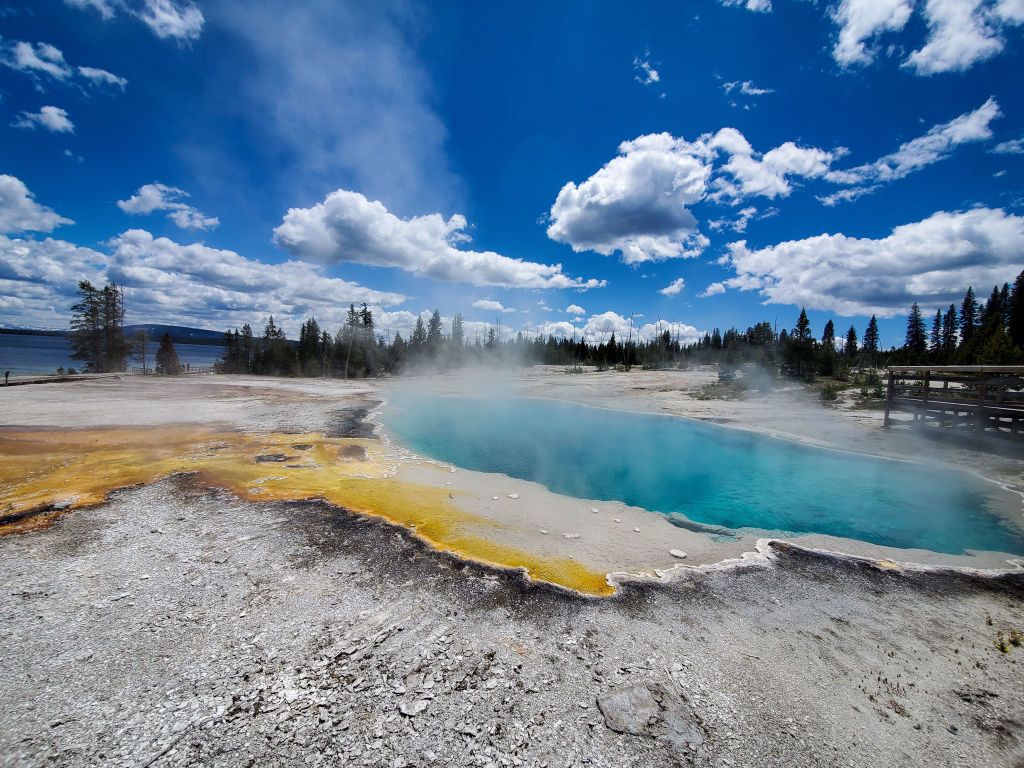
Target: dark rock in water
268	458
715	531
654	711
353	452
351	422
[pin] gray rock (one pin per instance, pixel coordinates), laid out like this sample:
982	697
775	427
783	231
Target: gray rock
654	711
412	708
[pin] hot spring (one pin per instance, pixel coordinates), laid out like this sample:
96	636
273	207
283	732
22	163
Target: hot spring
712	475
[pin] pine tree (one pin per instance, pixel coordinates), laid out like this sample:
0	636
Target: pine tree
950	325
801	344
917	338
828	335
434	331
115	346
1004	305
419	334
968	317
935	339
310	357
87	327
1015	312
851	344
871	340
992	316
827	363
97	328
458	334
167	361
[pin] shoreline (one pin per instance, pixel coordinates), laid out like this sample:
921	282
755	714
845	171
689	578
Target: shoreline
599	535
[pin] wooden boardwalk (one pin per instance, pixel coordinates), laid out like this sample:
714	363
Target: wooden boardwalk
979	399
195	369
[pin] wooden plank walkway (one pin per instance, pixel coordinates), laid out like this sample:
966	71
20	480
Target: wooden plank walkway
979	399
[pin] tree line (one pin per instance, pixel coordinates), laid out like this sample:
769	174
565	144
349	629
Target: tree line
967	333
964	334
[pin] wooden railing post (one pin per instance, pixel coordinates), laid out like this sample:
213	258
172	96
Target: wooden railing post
888	398
924	396
979	417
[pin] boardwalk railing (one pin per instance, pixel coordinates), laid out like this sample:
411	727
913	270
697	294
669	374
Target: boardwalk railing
982	399
139	370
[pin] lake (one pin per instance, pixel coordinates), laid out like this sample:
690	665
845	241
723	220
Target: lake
710	474
26	354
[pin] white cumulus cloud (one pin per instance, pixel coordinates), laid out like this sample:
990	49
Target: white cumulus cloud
963	32
960	33
930	261
347	227
53	119
19	212
637	203
36	58
161	197
712	290
766	175
674	288
861	20
575	309
599	327
168	282
491	305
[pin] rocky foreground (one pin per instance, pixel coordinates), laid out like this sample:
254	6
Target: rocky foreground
177	626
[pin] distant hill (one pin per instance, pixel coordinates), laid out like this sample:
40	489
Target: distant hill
181	334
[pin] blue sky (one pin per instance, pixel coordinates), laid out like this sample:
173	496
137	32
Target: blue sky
710	164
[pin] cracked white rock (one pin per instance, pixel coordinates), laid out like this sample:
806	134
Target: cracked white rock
412	708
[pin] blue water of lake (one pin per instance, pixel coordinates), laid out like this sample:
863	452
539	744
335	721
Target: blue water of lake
27	354
713	475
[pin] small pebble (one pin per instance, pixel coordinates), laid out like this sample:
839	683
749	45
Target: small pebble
513	495
636	530
677	553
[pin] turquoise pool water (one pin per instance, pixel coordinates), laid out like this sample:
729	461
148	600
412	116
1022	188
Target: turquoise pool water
712	475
